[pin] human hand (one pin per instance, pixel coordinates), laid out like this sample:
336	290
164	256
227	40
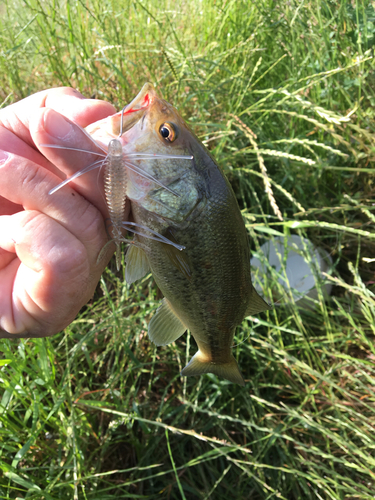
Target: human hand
49	244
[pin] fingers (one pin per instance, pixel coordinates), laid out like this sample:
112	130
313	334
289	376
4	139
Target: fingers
6	206
50	279
73	105
10	142
67	101
48	253
51	128
26	184
48	244
17	120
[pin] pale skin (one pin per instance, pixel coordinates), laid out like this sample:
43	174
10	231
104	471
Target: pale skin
49	244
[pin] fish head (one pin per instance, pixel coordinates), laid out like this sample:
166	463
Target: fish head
149	125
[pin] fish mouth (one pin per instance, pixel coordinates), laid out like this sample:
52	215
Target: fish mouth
145	97
116	126
135	111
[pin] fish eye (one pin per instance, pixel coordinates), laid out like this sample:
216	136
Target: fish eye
168	132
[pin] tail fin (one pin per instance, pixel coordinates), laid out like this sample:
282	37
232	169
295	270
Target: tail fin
199	365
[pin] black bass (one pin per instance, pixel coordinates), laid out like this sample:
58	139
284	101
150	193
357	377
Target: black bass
204	273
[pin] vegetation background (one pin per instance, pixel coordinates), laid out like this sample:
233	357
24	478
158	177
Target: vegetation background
283	94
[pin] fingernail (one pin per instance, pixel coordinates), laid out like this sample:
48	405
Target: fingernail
4	155
56	125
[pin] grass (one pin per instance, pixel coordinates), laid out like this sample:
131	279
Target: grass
283	95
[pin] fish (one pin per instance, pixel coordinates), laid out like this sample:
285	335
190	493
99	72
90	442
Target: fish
200	258
207	286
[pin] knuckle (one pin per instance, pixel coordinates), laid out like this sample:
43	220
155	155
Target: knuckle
94	230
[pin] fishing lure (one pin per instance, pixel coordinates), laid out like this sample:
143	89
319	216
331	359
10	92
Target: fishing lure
115	192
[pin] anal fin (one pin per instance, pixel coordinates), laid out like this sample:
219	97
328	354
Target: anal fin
256	304
199	365
165	327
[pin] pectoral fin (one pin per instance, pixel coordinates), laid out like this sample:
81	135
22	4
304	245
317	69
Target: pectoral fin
178	258
199	365
165	327
256	304
137	264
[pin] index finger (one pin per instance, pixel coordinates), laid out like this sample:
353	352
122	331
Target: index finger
77	151
65	100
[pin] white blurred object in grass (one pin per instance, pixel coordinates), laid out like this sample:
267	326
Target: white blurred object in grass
297	265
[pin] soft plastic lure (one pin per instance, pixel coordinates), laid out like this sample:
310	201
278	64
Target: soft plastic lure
115	192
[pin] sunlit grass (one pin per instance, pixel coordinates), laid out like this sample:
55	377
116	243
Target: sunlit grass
282	93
